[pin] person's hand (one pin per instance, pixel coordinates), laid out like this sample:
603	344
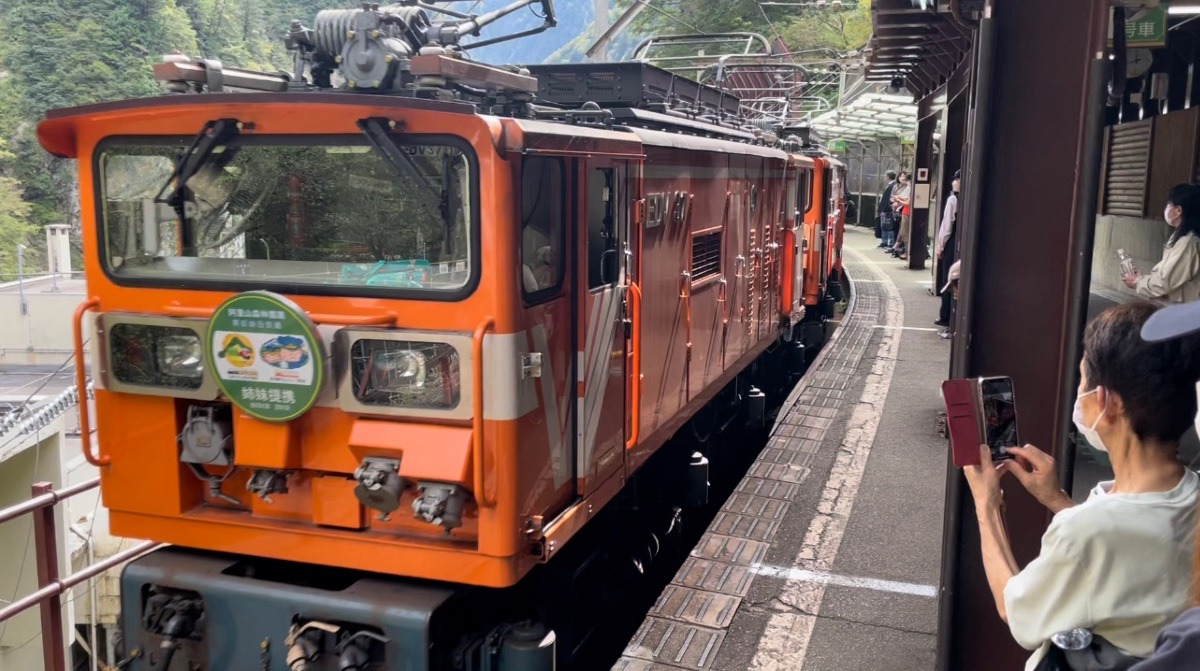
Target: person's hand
984	481
1131	280
1035	469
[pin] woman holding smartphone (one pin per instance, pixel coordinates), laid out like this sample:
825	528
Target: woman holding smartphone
1119	563
1176	278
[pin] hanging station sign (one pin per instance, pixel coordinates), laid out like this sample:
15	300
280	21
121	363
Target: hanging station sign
266	355
1145	27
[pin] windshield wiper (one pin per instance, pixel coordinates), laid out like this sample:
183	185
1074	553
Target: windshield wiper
376	130
214	135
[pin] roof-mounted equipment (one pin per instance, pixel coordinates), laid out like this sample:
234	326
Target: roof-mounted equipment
395	48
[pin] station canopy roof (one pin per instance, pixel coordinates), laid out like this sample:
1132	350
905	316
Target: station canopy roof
873	114
869	112
919	42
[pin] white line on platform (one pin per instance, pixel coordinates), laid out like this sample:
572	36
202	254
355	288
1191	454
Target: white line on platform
905	328
822	578
784	643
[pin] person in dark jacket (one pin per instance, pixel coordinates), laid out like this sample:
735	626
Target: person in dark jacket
884	216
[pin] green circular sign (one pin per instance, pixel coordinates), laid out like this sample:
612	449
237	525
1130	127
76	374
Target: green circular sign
266	355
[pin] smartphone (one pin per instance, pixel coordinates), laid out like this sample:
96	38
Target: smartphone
998	415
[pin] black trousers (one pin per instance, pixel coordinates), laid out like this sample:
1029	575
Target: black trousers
949	256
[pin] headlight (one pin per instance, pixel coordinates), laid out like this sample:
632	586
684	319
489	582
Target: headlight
156	356
179	355
398	371
405	373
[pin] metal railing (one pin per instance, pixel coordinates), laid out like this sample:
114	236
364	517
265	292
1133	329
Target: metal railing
50	585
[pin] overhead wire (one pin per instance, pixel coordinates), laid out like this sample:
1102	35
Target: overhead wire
671	16
763	11
37	456
35	392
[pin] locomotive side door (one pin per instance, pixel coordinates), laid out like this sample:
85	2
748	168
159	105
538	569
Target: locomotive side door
821	202
603	229
548	289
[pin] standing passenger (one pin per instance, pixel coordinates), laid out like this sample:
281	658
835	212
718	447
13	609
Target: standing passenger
1176	278
946	250
903	206
884	226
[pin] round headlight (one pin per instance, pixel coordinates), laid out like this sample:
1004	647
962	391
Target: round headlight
180	356
394	371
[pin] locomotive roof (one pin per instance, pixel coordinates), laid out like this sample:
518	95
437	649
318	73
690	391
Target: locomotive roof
634	126
56	132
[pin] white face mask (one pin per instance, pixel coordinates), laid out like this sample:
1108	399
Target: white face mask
1171	221
1089	432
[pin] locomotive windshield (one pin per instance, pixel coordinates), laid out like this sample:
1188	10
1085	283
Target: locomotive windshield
291	212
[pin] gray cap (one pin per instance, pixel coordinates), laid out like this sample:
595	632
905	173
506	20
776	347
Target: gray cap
1173	321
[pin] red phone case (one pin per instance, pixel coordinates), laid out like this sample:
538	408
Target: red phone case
962	421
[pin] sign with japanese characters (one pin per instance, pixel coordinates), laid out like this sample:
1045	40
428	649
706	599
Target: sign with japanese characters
1144	28
266	356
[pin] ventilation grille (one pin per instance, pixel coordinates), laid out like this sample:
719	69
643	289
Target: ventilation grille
1127	169
706	256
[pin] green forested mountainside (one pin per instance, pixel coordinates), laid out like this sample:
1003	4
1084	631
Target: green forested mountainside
842	26
60	53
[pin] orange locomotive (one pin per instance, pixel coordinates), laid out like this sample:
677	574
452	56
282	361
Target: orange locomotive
414	318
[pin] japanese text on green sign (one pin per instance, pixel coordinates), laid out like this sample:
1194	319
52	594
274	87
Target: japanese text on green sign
266	356
1147	30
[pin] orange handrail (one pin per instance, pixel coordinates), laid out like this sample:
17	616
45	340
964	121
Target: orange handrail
635	345
85	420
385	319
481	497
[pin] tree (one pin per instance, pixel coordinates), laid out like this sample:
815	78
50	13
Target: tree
843	29
15	228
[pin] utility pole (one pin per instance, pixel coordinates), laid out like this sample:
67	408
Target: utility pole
21	277
599	28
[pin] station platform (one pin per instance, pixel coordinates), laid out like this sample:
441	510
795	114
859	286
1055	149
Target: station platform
828	554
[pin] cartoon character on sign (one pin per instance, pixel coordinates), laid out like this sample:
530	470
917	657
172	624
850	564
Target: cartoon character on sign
237	351
286	352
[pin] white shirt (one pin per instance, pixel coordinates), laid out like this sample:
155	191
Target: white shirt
1118	564
947	222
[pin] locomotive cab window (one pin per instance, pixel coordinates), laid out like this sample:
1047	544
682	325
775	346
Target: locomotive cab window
603	257
326	213
804	198
542	207
835	190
